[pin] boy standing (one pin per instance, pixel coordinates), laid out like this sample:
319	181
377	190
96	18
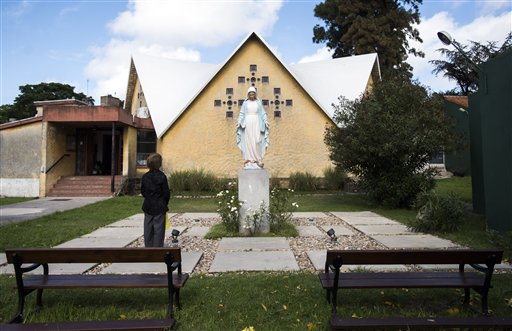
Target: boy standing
155	190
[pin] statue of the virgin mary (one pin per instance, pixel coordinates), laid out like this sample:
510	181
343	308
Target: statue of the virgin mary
252	131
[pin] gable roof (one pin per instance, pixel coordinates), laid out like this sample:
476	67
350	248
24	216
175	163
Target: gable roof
170	86
325	81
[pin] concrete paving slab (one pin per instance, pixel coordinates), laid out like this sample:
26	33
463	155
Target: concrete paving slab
136	217
127	223
308	214
373	220
342	214
189	262
115	232
197	231
413	241
383	229
340	230
254	261
309	231
253	243
192	216
317	258
96	242
57	268
3	258
27	210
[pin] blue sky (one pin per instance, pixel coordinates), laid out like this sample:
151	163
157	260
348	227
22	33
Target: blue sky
88	43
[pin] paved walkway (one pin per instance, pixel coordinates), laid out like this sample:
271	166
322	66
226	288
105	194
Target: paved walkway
252	253
27	210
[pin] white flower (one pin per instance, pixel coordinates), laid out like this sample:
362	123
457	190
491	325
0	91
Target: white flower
220	194
230	183
294	204
233	208
227	191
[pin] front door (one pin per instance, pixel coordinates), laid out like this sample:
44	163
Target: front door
84	152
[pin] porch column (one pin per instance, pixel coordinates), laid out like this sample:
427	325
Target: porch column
113	158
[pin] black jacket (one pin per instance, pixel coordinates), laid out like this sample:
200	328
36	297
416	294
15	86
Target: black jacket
155	190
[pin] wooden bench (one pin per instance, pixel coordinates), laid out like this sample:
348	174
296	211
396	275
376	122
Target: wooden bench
479	279
26	260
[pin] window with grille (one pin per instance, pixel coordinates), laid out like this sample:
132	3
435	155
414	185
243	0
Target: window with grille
146	144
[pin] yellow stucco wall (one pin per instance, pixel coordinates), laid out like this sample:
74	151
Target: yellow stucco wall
203	138
129	151
138	99
20	151
54	145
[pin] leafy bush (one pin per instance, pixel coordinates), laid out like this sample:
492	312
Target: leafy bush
334	178
194	181
386	139
229	207
438	213
281	209
303	181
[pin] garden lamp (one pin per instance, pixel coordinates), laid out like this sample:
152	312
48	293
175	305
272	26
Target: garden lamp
174	234
332	234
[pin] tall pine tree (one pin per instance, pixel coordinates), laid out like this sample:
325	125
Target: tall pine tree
355	27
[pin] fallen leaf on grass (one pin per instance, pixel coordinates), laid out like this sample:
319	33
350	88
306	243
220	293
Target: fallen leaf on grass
389	303
453	311
285	307
264	307
122	317
311	326
248	328
354	315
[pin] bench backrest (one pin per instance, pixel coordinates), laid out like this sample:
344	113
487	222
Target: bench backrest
451	256
92	255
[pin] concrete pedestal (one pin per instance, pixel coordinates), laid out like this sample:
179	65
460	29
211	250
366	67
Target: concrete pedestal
253	188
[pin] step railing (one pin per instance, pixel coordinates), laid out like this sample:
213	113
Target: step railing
55	163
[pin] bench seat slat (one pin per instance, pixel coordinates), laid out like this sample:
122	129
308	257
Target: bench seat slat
103	281
405	280
156	324
339	323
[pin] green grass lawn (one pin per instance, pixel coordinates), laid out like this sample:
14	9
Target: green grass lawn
233	301
8	200
266	301
461	186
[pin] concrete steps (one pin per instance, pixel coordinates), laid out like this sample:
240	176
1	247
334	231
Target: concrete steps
84	186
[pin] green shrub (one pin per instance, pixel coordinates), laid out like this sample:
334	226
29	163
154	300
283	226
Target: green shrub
194	181
229	207
438	213
303	181
334	178
280	211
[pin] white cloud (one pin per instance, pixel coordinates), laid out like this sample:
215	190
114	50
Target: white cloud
321	54
491	7
173	29
482	29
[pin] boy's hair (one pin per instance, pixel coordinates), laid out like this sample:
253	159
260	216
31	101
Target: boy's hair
154	161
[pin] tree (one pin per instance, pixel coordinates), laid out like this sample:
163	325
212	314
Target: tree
458	68
355	27
387	138
23	105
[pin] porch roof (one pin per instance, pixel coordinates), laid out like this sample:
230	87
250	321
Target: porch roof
94	115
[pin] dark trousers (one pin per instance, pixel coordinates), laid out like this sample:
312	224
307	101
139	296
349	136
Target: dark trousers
154	230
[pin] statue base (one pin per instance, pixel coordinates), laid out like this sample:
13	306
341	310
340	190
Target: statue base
253	190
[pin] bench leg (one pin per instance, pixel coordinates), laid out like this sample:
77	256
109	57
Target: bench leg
485	306
39	298
18	318
466	297
178	304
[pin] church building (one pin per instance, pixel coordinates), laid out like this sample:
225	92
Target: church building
186	111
